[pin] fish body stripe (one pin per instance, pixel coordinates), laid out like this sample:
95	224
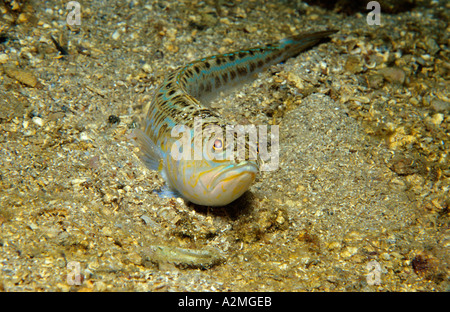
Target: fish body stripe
177	99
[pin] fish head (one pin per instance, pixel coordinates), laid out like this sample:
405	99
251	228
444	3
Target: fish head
212	177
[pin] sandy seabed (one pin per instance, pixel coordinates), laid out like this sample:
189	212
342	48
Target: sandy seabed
359	202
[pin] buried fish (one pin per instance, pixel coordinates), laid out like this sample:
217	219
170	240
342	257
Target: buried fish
202	167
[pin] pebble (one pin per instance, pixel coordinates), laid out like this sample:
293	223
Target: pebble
353	64
146	219
393	74
22	18
107	231
76	182
135	258
446	242
334	245
84	136
403	165
4	58
375	81
38	121
33	226
440	105
349	251
353	236
116	35
437	119
414	101
100	286
432	46
385	256
23	76
147	68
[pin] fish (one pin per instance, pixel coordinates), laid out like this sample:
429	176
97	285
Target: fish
182	137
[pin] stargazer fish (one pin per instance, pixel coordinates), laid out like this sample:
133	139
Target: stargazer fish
208	178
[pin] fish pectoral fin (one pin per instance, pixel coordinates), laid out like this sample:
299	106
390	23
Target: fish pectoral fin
149	153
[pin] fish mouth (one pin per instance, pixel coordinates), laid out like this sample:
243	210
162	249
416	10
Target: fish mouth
228	184
223	185
236	171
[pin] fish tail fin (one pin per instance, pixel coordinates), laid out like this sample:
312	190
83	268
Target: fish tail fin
296	44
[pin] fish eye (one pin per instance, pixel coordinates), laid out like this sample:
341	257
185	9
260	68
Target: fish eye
218	145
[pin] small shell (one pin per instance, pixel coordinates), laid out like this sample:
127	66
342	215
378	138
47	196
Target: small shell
4	58
184	258
23	76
